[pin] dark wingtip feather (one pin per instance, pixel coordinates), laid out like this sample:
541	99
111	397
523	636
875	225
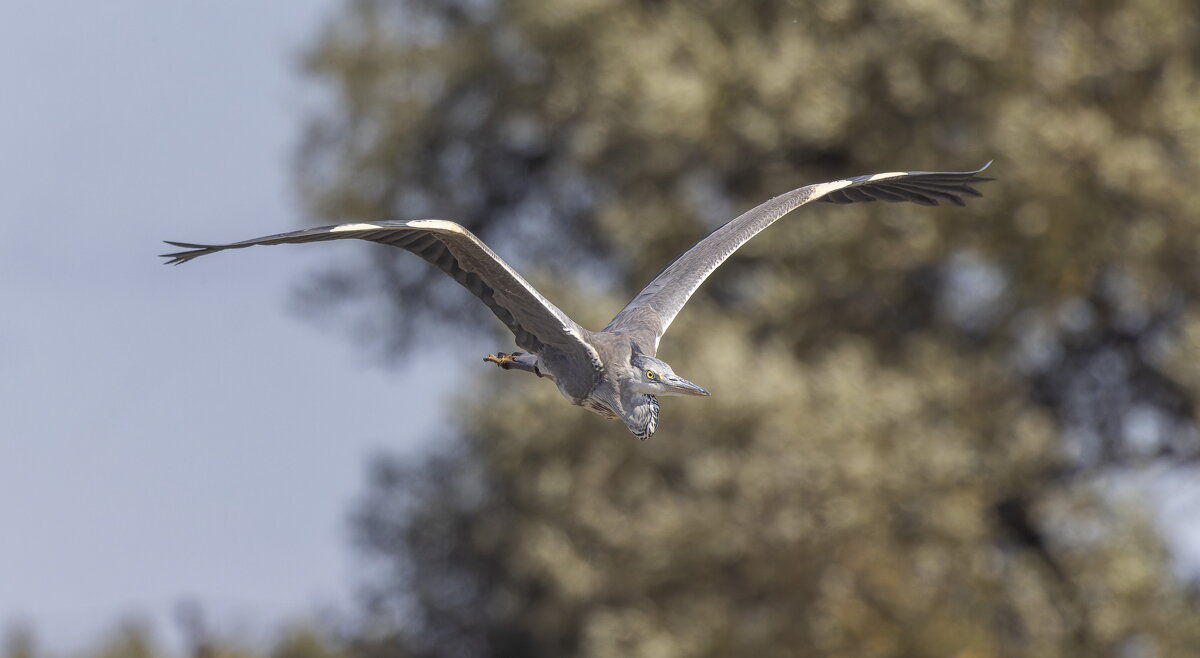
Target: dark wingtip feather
187	245
927	188
192	251
982	179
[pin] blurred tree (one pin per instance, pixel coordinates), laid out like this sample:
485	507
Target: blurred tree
130	640
302	642
19	642
135	640
916	411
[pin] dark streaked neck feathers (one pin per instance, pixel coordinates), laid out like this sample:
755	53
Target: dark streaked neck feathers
642	416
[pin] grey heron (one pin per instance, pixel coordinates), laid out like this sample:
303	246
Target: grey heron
612	372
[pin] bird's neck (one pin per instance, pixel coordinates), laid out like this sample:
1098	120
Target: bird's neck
641	415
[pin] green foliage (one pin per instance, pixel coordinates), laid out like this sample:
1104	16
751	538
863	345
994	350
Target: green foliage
135	640
306	643
131	640
915	411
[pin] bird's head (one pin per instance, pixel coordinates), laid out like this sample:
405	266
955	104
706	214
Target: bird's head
655	377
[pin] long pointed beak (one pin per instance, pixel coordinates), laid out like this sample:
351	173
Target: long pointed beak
680	386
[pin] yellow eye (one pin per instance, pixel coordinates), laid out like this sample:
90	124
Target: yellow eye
650	374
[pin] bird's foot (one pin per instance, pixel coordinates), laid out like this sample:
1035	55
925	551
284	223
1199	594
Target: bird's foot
517	361
501	359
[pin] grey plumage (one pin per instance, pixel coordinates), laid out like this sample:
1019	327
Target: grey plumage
612	372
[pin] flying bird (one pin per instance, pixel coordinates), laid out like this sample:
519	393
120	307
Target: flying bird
614	371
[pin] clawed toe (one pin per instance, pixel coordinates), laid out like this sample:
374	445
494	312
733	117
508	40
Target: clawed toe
501	359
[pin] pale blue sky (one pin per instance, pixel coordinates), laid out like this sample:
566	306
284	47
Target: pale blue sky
169	433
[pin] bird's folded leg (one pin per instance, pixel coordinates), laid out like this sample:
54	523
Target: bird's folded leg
518	360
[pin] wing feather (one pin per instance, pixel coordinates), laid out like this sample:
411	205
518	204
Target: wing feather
648	316
539	326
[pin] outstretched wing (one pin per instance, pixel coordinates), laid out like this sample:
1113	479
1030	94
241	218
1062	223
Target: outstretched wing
647	317
538	325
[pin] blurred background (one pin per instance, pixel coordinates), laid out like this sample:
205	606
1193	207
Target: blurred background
934	432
